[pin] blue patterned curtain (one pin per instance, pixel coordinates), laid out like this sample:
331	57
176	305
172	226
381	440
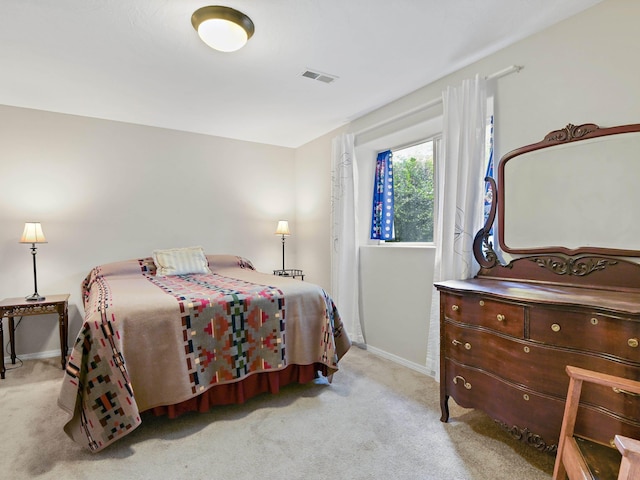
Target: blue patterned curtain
488	194
382	210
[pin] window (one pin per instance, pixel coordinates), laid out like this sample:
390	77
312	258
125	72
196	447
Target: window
413	195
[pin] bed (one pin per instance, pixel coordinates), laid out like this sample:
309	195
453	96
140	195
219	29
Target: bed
209	333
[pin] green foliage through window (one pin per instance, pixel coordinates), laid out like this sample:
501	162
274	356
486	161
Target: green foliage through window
414	194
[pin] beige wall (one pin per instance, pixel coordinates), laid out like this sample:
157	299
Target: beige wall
107	191
396	298
313	209
581	70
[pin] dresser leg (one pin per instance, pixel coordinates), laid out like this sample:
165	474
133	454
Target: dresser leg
444	407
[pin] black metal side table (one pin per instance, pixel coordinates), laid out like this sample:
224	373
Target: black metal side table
289	272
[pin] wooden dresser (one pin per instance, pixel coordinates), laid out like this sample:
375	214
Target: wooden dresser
507	334
505	345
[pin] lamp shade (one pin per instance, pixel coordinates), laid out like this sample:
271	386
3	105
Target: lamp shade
222	28
283	228
33	233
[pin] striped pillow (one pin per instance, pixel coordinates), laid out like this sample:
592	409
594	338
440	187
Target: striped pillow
180	261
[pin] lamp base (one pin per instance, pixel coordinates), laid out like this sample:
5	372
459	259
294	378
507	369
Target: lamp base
36	297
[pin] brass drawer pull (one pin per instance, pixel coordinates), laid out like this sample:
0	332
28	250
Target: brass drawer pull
482	303
633	342
619	390
555	327
455	308
526	397
467	345
500	317
466	384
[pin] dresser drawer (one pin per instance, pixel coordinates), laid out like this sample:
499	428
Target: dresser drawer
601	427
507	318
538	367
523	413
529	416
587	331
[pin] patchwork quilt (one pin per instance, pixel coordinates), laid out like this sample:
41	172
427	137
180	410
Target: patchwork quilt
148	341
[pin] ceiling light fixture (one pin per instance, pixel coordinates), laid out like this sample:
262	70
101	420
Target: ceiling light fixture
222	28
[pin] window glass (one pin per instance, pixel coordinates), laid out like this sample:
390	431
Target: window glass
413	187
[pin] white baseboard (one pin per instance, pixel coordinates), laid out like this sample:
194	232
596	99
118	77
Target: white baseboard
34	356
396	359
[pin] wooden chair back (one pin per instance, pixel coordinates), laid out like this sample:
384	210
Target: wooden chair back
570	461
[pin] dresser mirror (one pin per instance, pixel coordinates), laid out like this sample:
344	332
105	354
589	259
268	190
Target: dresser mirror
574	192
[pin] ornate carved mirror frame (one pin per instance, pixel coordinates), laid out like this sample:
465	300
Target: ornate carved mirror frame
542	165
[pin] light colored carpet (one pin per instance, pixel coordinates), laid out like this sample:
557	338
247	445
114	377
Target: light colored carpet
378	420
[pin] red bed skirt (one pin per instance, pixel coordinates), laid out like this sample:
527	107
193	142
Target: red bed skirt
241	391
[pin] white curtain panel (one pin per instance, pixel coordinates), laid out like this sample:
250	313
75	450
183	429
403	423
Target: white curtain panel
460	184
344	226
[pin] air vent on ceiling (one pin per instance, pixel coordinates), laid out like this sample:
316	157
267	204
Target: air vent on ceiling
321	77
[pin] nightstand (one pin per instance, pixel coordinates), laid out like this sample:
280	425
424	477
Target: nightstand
19	307
289	272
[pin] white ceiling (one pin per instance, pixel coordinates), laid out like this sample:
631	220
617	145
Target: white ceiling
141	61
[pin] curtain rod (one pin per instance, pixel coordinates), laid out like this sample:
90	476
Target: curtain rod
436	101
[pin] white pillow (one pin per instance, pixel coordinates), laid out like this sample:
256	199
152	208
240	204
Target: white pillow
180	261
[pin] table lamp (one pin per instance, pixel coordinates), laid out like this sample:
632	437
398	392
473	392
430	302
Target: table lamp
33	234
283	229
